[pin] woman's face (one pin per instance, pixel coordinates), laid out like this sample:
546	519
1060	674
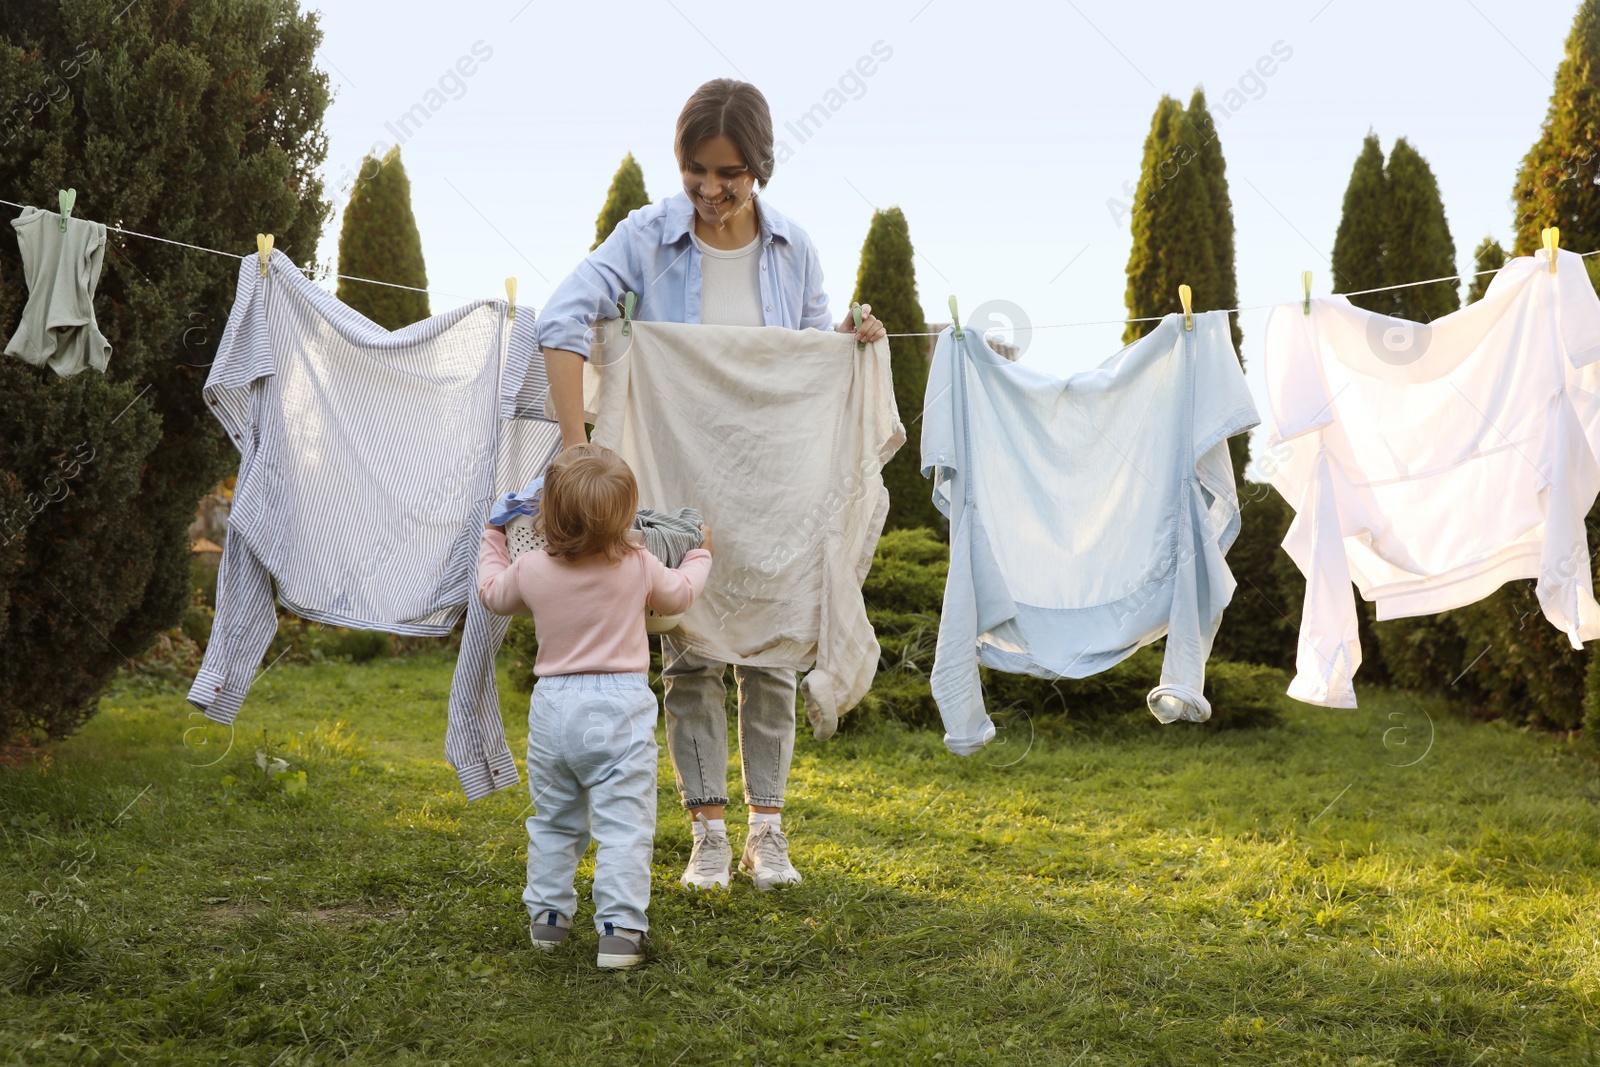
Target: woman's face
718	181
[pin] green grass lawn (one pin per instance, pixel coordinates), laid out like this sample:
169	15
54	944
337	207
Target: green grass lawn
1388	885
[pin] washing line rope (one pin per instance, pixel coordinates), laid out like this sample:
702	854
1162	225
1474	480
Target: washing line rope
234	255
1050	326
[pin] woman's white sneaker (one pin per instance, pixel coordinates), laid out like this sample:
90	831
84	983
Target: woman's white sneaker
766	858
711	861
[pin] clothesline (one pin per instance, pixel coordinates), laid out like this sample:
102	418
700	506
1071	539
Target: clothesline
932	333
1235	311
235	255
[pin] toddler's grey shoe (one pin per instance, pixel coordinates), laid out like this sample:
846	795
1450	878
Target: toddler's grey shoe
620	948
547	930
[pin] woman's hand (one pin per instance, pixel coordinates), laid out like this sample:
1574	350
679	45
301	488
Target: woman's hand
871	329
705	538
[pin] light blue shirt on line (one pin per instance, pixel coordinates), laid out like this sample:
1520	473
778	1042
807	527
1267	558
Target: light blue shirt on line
651	253
1089	516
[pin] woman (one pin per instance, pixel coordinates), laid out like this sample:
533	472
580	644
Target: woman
709	254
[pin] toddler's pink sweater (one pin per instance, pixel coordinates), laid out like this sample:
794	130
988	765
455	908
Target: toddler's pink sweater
589	612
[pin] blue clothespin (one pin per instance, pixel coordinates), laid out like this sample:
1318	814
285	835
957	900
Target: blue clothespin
629	300
66	198
955	319
855	311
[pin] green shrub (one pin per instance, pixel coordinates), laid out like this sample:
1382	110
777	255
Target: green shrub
1261	624
201	122
359	646
300	641
1245	694
523	644
1425	652
1516	666
1591	701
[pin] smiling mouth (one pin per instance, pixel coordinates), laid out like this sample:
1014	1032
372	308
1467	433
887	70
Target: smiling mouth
714	203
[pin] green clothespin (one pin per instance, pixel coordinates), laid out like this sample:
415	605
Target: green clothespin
955	319
628	302
66	197
855	311
1305	285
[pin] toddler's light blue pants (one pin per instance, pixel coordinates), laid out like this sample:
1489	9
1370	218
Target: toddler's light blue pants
592	773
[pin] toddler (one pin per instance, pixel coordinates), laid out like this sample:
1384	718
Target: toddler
592	719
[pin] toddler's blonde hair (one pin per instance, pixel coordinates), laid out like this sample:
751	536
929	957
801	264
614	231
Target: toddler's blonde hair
590	497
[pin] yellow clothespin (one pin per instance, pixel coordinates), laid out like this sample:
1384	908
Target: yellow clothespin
264	248
1186	298
511	298
1305	287
1551	236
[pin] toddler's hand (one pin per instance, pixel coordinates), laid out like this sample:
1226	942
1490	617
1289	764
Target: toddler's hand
705	538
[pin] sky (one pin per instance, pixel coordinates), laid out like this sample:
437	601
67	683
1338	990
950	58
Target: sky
1010	134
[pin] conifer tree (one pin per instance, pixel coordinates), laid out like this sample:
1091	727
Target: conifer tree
1224	292
887	280
379	240
1559	181
1488	256
1418	239
1183	231
1359	244
1174	227
626	194
198	122
1183	234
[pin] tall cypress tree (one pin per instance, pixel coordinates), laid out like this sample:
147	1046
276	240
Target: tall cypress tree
1359	244
1488	256
1419	245
1183	234
379	240
625	195
887	280
1559	181
199	122
1174	226
1392	231
1224	290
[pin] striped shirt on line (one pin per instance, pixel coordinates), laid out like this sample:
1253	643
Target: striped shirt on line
368	462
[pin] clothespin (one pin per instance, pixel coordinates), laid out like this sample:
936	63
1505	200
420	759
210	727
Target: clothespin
264	248
1305	287
629	300
1186	298
1551	236
855	312
511	298
66	198
955	319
